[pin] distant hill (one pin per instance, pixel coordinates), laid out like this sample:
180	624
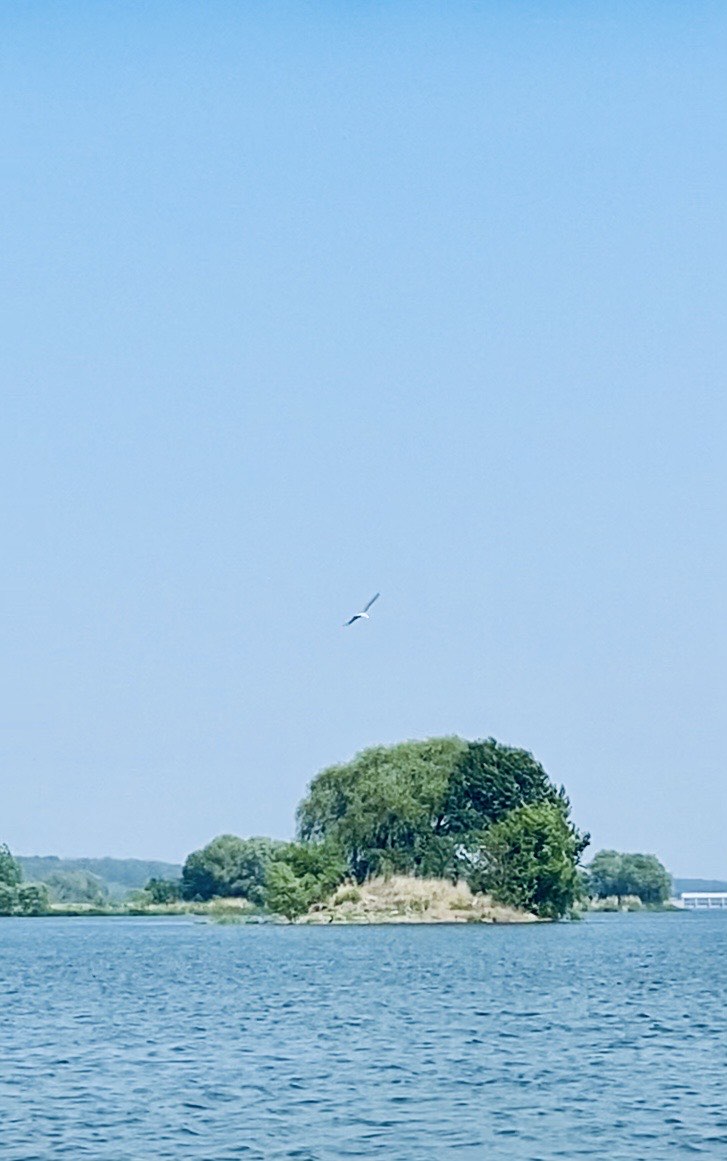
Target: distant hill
699	885
119	875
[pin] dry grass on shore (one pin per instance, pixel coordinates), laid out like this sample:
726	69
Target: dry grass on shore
404	899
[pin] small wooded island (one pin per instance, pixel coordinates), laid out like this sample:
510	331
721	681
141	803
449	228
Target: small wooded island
442	830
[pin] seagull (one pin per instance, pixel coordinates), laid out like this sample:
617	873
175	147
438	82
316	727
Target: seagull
364	612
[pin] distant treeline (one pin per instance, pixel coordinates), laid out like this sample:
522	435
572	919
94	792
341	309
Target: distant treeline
699	885
117	877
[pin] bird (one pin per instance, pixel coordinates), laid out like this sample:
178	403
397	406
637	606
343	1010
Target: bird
364	614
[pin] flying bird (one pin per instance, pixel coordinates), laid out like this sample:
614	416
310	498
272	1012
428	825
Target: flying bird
364	612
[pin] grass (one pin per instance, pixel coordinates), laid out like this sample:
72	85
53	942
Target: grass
405	899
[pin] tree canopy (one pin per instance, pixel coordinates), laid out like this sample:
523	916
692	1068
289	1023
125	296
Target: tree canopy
10	872
488	781
424	807
529	860
285	877
229	866
385	810
614	873
16	897
301	874
444	807
164	890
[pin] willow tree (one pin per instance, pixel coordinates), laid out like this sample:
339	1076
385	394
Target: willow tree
422	807
385	810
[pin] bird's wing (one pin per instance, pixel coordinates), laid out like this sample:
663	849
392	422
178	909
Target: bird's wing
374	598
355	617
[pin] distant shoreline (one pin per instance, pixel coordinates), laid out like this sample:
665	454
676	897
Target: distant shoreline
399	899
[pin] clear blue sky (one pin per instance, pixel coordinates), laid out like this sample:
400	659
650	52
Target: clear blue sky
306	300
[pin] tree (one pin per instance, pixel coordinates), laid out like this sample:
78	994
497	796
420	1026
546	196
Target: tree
300	875
420	807
650	878
287	893
613	873
10	872
606	875
8	898
32	899
383	809
164	890
490	780
23	899
529	860
13	894
319	862
228	866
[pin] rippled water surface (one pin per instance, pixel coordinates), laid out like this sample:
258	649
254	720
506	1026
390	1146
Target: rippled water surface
140	1039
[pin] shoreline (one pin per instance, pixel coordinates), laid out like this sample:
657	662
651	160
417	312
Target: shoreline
398	899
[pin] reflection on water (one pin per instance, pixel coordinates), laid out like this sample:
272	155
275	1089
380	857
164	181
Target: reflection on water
136	1039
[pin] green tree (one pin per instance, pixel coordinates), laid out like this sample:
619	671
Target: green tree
606	875
24	899
614	873
490	780
31	899
529	860
229	866
650	879
8	898
384	810
164	890
420	807
302	874
286	893
321	862
16	897
10	872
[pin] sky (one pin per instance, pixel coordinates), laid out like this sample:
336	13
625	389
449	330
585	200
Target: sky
304	301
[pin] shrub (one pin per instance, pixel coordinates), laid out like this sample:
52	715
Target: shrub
347	895
300	875
289	894
529	861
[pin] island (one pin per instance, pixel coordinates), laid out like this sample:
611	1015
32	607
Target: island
440	830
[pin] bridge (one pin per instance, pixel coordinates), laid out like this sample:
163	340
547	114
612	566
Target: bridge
704	900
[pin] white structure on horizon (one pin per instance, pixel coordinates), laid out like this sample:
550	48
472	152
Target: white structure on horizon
704	900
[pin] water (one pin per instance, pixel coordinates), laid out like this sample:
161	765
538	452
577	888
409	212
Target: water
133	1040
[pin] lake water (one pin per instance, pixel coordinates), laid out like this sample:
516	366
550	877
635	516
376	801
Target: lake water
143	1039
